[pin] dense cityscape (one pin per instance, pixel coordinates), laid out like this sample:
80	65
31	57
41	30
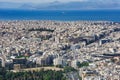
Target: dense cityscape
70	50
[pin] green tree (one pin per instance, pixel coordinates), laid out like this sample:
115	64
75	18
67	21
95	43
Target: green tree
82	64
69	69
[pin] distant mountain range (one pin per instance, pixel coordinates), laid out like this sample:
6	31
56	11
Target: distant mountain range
82	5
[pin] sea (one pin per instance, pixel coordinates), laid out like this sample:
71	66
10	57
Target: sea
61	15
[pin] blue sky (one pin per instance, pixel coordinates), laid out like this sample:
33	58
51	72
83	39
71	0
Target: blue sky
37	1
46	1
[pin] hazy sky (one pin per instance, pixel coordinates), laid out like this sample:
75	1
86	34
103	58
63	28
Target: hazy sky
37	1
45	1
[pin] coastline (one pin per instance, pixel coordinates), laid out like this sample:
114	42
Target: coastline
54	21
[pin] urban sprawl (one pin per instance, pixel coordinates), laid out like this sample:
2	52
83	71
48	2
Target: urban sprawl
91	48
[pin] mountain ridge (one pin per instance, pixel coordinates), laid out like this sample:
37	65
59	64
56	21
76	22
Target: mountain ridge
75	5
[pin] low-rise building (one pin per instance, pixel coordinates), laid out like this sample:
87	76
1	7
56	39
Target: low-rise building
44	60
58	61
74	64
